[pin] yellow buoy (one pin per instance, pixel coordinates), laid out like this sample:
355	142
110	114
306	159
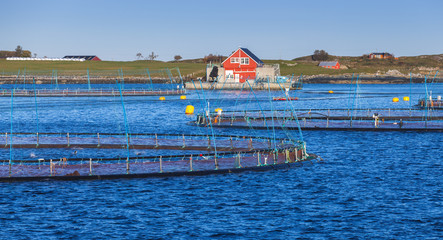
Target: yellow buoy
406	98
330	91
189	109
162	98
395	99
218	110
182	97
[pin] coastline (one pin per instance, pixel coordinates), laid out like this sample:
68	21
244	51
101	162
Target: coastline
309	79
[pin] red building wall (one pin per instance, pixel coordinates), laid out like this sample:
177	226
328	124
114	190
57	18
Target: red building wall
244	71
337	66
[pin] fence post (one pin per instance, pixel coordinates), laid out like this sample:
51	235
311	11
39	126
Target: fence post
238	161
215	161
288	158
127	165
190	164
258	159
156	141
184	144
275	157
50	167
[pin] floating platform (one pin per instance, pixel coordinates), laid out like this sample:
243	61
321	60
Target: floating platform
240	86
88	93
327	119
237	159
432	104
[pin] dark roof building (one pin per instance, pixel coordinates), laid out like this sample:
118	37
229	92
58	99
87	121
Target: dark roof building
86	57
383	55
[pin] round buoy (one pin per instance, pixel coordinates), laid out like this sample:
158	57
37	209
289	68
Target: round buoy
395	99
189	109
330	91
182	97
406	98
218	110
162	98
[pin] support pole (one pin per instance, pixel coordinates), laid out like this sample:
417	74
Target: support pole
90	166
67	138
161	164
98	139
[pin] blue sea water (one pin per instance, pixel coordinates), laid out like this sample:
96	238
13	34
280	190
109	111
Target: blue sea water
370	185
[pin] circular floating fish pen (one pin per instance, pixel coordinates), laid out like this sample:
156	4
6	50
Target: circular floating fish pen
382	119
87	92
198	155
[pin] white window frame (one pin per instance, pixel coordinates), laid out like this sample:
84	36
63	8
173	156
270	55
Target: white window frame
234	60
244	61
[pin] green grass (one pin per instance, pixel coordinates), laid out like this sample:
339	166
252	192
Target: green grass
195	68
98	67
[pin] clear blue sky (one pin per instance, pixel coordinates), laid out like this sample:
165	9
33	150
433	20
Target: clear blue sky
118	30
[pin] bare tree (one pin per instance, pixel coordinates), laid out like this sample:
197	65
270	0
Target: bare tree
18	51
213	58
139	56
152	56
177	58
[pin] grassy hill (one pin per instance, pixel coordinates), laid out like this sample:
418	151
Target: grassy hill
196	68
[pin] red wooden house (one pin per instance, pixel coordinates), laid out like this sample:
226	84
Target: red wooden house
333	65
241	66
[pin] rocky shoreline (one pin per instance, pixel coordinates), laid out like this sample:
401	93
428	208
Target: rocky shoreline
317	79
365	79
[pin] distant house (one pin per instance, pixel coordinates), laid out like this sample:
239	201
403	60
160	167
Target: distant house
383	55
86	57
240	66
333	65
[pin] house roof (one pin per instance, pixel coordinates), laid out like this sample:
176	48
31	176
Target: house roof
327	64
250	54
383	53
86	57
